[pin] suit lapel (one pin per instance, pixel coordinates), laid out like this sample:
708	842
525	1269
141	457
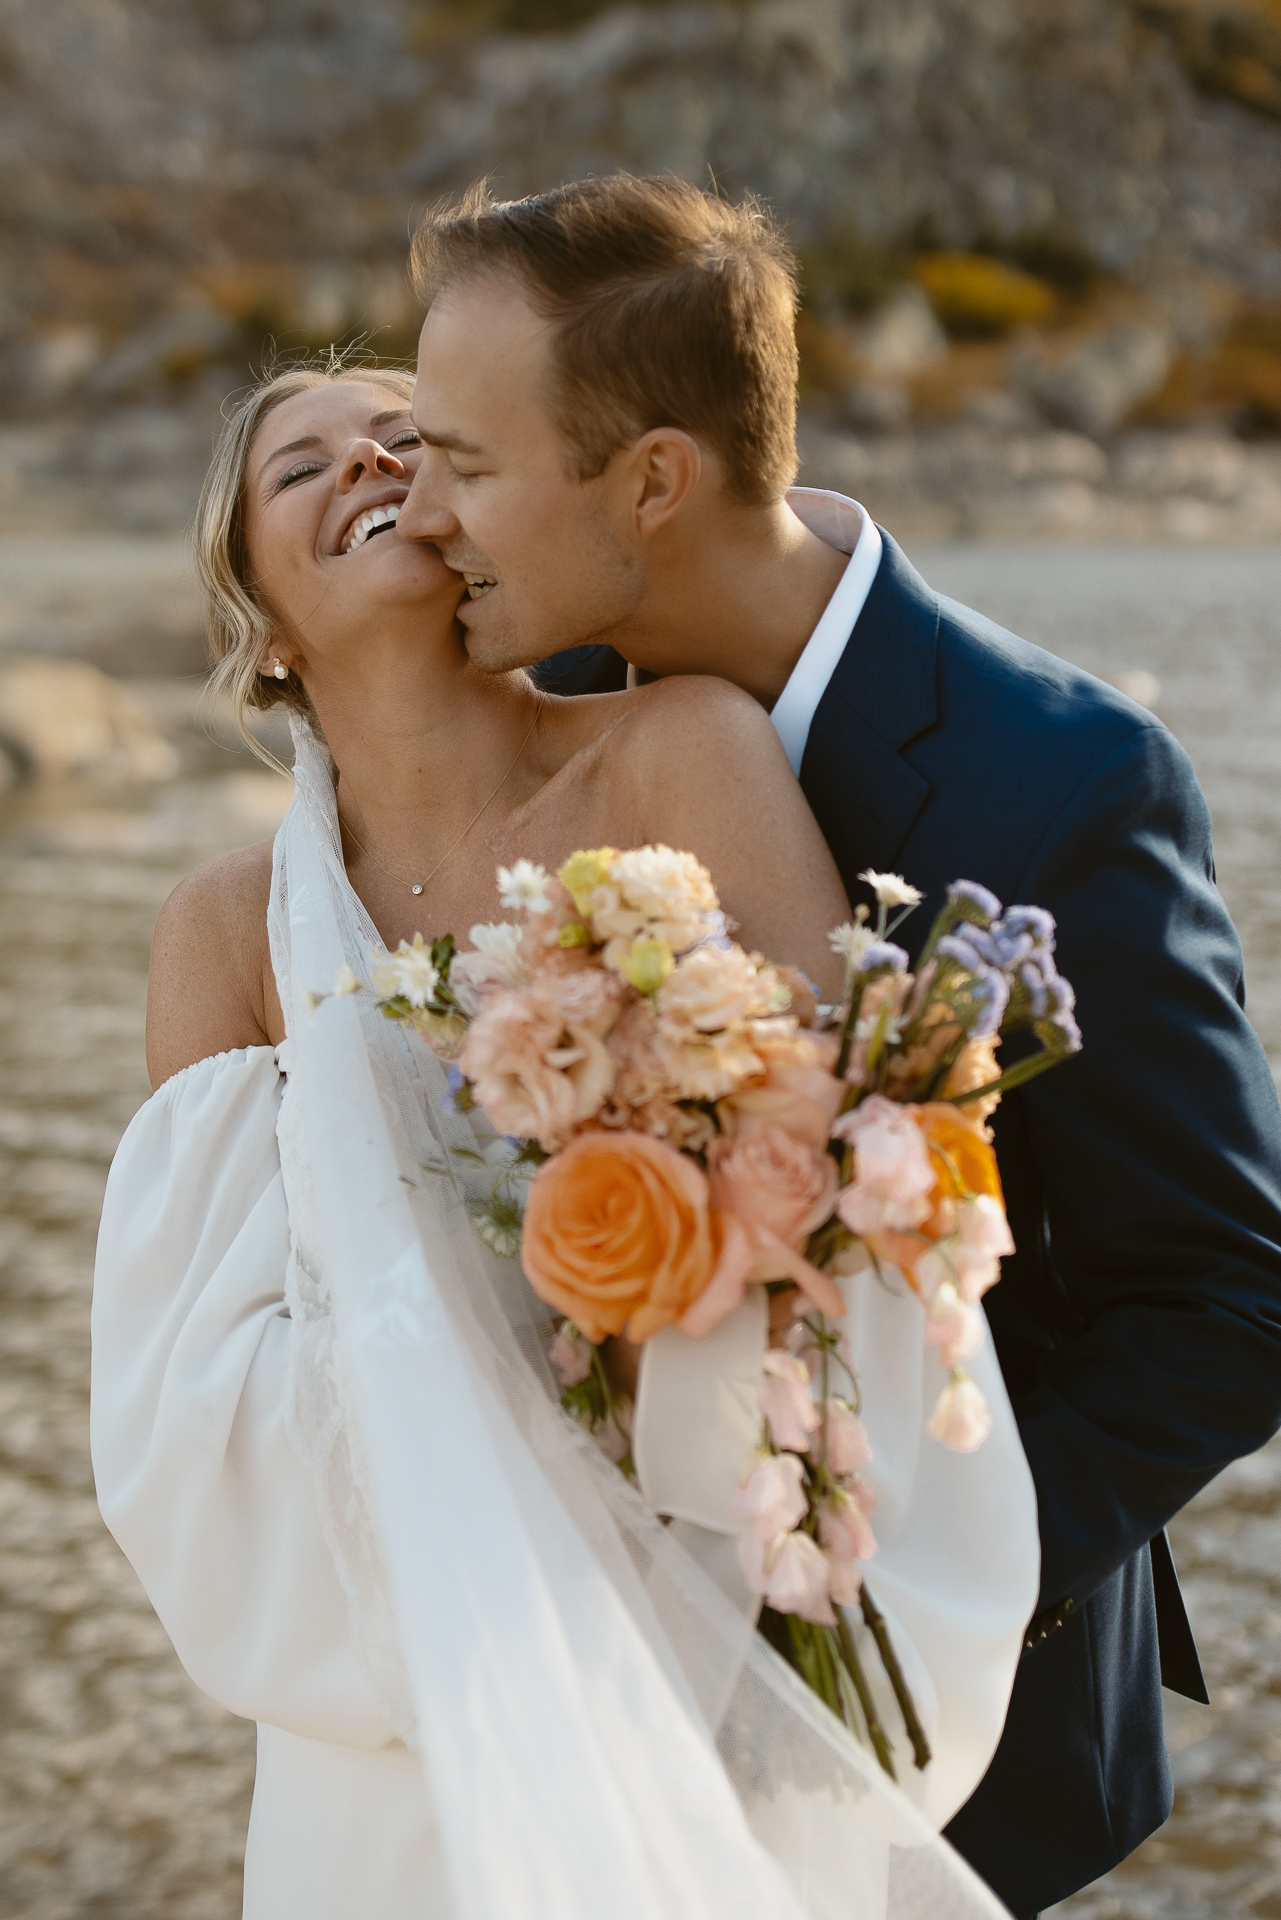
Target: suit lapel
883	694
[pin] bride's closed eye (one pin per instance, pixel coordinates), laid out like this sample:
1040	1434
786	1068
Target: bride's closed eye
299	472
409	438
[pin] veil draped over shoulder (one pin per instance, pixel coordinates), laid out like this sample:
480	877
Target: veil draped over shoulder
600	1729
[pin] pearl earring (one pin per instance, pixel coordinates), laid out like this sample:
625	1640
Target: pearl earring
280	670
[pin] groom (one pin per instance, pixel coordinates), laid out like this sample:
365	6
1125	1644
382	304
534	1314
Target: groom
606	391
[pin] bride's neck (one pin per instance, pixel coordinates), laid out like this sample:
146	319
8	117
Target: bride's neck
419	748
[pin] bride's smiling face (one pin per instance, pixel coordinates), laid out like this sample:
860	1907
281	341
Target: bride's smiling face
326	475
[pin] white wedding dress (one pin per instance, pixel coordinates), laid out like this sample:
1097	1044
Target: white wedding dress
489	1683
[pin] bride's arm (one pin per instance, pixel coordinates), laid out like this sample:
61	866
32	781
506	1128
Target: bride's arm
210	988
706	771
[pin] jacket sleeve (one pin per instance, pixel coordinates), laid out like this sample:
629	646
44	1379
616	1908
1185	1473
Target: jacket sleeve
1156	1154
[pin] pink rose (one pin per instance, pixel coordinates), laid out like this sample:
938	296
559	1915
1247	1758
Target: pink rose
771	1499
960	1418
843	1526
775	1183
847	1446
786	1402
796	1579
796	1092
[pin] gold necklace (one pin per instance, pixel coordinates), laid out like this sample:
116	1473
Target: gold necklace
417	886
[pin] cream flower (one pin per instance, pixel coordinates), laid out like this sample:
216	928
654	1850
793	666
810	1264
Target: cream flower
852	940
524	885
772	1499
712	989
892	890
345	982
572	1354
408	972
650	890
495	961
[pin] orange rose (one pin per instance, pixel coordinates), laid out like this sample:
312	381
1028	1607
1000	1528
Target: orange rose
962	1140
619	1233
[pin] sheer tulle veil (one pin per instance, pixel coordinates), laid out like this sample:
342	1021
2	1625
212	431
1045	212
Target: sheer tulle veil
601	1731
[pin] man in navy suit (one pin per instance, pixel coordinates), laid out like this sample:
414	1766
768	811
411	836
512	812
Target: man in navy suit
606	392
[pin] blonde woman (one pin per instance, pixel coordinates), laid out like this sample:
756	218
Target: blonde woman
488	1683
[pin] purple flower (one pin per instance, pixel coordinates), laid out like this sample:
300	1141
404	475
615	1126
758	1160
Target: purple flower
959	947
991	994
1034	982
1033	920
974	901
883	953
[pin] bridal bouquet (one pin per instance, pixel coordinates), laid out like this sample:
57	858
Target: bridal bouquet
687	1122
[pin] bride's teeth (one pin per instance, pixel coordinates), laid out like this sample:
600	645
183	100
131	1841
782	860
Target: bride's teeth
376	517
478	583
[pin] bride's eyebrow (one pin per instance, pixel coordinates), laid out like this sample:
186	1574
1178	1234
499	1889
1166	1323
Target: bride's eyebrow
292	446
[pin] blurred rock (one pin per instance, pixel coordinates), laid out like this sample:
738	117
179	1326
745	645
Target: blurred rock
902	336
1213	469
877	405
60	717
168	351
1105	379
63	359
1139	684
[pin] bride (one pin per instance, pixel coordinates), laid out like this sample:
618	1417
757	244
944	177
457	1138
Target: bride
489	1682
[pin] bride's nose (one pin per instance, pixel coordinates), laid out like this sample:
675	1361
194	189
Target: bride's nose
366	459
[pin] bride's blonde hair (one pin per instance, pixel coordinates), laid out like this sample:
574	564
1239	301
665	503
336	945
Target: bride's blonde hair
238	622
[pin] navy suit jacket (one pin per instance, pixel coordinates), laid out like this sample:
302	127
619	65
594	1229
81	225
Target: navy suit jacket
1139	1323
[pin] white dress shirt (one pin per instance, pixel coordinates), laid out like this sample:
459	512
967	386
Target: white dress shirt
845	525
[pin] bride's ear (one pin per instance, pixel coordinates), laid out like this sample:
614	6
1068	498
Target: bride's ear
665	466
277	663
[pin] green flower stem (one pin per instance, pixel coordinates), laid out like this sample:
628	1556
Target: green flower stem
902	1692
1015	1076
853	1667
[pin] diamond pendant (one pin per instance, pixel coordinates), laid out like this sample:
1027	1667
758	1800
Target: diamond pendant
415	889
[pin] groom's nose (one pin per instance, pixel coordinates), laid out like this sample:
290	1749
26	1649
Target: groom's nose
425	513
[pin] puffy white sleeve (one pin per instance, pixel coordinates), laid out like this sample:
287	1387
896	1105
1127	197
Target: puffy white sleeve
196	1475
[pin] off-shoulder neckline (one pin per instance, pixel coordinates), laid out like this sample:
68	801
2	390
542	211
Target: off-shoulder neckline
211	1060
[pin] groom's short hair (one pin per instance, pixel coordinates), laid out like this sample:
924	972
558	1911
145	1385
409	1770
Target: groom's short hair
671	308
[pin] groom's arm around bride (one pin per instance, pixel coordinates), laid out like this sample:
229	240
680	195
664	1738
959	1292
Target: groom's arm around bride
607	393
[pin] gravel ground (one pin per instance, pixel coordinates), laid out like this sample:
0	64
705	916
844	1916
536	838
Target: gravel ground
124	1791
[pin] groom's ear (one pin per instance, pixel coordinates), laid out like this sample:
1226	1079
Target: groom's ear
664	468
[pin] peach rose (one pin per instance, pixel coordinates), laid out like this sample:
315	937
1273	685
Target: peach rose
620	1233
797	1090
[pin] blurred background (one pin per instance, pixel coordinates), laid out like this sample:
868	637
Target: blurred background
1041	340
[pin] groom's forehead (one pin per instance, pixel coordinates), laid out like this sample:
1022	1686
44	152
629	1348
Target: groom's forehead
483	357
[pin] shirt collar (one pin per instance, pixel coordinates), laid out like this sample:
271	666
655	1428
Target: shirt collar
841	523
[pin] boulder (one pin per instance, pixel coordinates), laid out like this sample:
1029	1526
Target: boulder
62	717
1104	379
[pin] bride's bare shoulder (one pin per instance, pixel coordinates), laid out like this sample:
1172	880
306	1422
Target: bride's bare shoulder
724	729
210	987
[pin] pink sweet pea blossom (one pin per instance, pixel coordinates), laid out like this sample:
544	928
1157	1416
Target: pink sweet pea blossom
786	1402
571	1354
843	1525
953	1326
771	1499
796	1578
960	1418
847	1447
893	1173
844	1581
